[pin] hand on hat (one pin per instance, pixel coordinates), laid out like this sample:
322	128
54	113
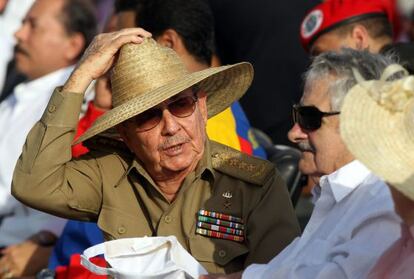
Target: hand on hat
100	55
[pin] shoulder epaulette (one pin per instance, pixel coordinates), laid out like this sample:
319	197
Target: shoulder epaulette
237	164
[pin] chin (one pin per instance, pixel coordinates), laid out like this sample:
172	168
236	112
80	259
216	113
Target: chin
177	164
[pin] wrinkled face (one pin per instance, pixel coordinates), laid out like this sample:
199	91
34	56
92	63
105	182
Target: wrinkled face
330	41
176	144
306	164
42	40
324	144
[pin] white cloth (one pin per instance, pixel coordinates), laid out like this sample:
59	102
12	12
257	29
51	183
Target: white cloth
144	257
352	224
18	113
10	21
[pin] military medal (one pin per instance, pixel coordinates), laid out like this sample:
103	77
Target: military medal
219	225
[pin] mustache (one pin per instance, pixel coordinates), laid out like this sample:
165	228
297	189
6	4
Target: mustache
172	141
21	50
305	146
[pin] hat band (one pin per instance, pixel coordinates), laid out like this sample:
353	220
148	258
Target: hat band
344	22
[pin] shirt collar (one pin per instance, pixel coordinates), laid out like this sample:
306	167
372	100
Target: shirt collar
343	181
25	90
204	168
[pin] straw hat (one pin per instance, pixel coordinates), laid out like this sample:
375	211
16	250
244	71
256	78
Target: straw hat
377	124
147	74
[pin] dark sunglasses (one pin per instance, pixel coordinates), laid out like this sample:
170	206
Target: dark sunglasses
180	107
309	117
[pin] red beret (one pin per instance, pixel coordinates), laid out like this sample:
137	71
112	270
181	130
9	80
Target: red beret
334	13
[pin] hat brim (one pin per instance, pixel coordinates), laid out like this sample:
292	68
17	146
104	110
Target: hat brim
223	85
379	138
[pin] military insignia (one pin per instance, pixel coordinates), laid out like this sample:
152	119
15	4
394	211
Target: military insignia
227	195
311	23
219	225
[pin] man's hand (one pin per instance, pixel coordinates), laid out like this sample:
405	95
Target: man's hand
237	275
99	57
23	259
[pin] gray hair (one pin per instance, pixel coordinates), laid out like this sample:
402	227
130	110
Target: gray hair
340	65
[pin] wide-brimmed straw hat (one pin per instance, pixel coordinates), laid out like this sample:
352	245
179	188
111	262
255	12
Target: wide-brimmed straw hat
377	125
147	74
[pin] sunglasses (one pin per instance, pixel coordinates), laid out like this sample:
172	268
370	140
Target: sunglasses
180	107
309	117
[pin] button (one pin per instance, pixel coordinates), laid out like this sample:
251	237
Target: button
121	230
222	253
168	219
52	108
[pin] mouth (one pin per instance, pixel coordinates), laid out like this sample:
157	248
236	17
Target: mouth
305	147
20	51
173	150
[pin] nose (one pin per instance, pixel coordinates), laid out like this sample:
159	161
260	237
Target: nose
21	33
170	124
296	134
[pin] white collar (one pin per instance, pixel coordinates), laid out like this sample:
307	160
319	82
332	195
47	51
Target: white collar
343	181
23	90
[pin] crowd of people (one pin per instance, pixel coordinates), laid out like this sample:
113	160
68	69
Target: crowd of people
133	118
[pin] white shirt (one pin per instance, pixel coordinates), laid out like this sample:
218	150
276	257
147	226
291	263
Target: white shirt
352	224
18	113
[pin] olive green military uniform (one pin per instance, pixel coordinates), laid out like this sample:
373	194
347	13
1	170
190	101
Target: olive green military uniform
111	187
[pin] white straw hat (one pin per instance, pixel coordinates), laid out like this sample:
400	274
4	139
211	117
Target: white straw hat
377	124
147	74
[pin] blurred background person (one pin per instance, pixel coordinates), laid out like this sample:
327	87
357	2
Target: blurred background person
52	37
263	33
11	15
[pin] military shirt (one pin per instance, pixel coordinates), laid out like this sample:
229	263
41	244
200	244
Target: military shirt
111	187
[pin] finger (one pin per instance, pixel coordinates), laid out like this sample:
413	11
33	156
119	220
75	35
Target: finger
134	31
125	39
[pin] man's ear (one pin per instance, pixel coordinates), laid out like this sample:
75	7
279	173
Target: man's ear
360	37
75	45
122	130
202	104
170	38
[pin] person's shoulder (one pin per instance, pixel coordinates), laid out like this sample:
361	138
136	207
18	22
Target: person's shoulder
103	146
239	165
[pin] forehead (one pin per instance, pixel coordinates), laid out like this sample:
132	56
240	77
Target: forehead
45	10
184	93
330	41
317	93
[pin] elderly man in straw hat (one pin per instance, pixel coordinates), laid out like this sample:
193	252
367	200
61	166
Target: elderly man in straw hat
377	124
353	221
165	177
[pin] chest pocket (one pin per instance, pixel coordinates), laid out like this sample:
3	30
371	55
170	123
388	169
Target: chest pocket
218	255
116	224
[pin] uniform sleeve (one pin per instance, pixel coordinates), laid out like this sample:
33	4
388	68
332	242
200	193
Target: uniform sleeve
45	177
272	224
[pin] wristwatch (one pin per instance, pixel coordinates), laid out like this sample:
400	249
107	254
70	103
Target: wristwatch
46	274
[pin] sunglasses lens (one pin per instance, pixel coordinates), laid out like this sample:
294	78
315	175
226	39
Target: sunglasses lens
183	107
148	119
308	118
